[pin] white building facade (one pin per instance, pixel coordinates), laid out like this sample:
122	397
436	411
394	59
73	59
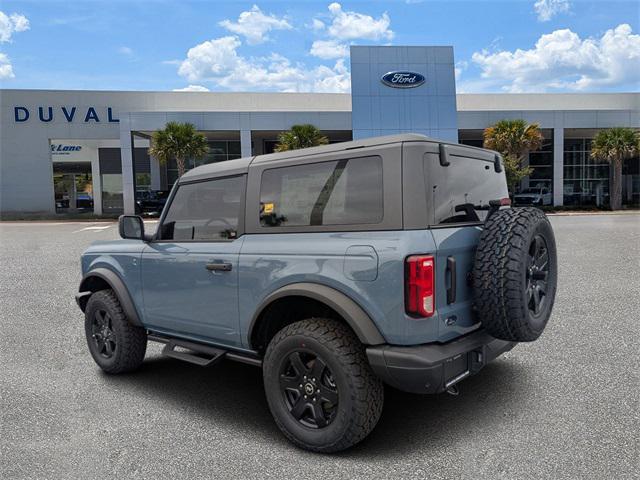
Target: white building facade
86	151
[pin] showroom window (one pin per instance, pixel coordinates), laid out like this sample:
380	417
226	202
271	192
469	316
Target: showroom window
219	151
541	161
111	180
586	181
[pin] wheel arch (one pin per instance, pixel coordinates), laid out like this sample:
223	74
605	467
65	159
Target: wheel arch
345	307
102	279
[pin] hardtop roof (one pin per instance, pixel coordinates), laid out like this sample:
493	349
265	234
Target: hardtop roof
241	165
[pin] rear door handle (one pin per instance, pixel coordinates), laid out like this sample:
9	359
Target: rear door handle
218	267
451	291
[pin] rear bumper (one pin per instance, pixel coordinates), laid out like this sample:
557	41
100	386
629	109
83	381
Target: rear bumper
434	367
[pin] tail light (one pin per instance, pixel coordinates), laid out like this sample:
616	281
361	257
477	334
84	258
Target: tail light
502	202
420	285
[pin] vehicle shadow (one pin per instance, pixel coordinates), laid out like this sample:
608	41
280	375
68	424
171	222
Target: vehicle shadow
231	394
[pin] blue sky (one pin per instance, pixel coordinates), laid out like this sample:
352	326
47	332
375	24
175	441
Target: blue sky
500	46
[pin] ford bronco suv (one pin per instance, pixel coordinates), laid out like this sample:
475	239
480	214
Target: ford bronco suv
336	269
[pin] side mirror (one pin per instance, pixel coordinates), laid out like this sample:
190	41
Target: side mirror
131	226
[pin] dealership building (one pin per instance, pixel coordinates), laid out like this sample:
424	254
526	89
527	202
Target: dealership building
79	151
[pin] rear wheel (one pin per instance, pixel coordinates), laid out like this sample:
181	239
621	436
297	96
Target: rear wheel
320	387
515	274
115	344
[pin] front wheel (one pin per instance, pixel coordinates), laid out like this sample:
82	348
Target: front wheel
115	344
320	387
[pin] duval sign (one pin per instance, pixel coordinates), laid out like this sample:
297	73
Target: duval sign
69	114
402	79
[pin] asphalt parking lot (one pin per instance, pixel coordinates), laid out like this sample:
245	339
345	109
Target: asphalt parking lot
566	406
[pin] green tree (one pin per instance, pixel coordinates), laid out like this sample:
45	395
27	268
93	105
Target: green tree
180	141
300	136
514	139
615	145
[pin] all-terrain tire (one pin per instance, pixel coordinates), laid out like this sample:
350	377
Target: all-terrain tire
360	394
124	346
515	274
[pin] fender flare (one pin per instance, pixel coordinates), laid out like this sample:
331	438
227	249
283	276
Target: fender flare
359	321
119	288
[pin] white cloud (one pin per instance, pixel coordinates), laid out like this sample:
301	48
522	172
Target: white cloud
317	25
547	9
331	80
561	60
327	49
460	67
353	25
210	59
6	70
345	26
218	61
10	24
254	25
128	51
192	88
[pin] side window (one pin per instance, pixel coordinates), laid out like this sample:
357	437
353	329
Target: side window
341	192
204	211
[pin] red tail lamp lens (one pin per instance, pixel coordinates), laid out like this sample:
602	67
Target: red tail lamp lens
420	285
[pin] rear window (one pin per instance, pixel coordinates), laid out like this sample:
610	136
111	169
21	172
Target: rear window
463	189
342	192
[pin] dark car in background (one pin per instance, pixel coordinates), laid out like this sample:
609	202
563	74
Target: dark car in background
151	201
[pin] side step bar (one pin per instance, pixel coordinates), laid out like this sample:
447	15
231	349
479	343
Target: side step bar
202	355
199	353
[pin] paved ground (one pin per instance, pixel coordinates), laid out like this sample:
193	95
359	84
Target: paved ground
566	406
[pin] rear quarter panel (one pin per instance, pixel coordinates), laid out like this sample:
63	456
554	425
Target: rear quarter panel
271	261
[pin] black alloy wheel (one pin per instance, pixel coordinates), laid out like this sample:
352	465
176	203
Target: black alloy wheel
537	274
309	389
115	344
104	338
319	385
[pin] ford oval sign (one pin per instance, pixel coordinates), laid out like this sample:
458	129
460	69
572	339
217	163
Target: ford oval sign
403	79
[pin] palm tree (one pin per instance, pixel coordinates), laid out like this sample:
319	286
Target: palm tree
300	136
514	139
180	141
615	145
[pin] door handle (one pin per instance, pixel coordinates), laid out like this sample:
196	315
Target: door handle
218	267
451	291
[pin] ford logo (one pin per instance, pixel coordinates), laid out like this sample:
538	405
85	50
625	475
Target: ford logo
403	79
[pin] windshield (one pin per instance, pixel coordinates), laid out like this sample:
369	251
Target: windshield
531	190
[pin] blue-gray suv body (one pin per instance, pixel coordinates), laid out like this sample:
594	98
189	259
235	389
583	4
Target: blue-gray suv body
336	269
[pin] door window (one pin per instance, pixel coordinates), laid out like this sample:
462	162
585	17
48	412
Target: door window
205	211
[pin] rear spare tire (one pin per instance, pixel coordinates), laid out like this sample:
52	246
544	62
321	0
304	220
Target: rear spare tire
515	274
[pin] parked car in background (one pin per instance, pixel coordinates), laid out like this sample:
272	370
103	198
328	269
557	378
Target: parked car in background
151	201
84	200
537	196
